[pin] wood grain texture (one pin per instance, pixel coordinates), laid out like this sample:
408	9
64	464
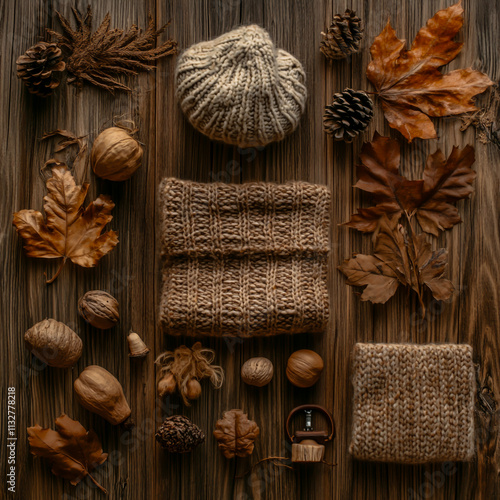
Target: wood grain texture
137	468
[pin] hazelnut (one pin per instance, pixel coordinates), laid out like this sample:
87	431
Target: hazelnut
99	308
257	371
304	368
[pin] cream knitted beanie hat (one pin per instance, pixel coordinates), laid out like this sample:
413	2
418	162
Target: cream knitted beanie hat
240	89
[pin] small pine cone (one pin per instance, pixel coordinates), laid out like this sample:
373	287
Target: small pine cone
178	434
38	68
343	37
349	114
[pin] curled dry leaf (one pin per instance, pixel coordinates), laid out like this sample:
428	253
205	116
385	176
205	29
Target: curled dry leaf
398	259
236	434
69	230
445	181
73	452
409	83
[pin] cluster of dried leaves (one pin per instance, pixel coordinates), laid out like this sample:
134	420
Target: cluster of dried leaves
409	83
72	451
401	257
96	57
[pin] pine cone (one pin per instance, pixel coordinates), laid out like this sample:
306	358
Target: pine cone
38	68
349	114
343	37
178	434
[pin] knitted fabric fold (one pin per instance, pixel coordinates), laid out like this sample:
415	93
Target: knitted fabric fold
244	260
413	403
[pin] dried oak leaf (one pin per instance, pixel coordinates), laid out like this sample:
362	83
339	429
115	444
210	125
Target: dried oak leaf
69	231
409	82
73	452
236	434
96	57
445	181
398	259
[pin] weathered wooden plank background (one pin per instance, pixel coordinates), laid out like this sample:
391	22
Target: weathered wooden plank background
137	468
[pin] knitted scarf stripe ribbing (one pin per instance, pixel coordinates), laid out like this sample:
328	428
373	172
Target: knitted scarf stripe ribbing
244	260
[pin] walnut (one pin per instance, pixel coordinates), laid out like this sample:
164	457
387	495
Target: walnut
99	308
257	371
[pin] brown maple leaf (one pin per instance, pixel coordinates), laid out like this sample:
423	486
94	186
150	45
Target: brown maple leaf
72	451
409	83
69	231
445	181
398	259
96	57
236	434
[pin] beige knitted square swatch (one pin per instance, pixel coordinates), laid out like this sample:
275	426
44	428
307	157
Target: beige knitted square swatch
413	403
244	259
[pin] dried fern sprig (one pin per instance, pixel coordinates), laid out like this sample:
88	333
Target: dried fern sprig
97	58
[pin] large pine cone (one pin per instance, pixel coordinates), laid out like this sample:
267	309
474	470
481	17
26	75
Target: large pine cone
178	434
349	114
343	37
39	66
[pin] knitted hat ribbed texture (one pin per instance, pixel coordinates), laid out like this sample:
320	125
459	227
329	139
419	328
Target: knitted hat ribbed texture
240	89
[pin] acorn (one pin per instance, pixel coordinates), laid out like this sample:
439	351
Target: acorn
136	346
115	155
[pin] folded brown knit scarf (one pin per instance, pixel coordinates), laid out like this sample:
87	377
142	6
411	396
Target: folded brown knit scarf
244	260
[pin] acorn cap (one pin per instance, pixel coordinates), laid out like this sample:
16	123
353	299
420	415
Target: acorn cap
136	346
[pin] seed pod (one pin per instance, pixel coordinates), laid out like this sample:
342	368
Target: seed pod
193	389
166	385
99	308
136	346
115	155
100	392
54	343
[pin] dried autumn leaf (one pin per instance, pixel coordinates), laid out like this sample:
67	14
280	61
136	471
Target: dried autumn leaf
445	181
69	231
409	83
236	434
72	451
96	57
398	258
